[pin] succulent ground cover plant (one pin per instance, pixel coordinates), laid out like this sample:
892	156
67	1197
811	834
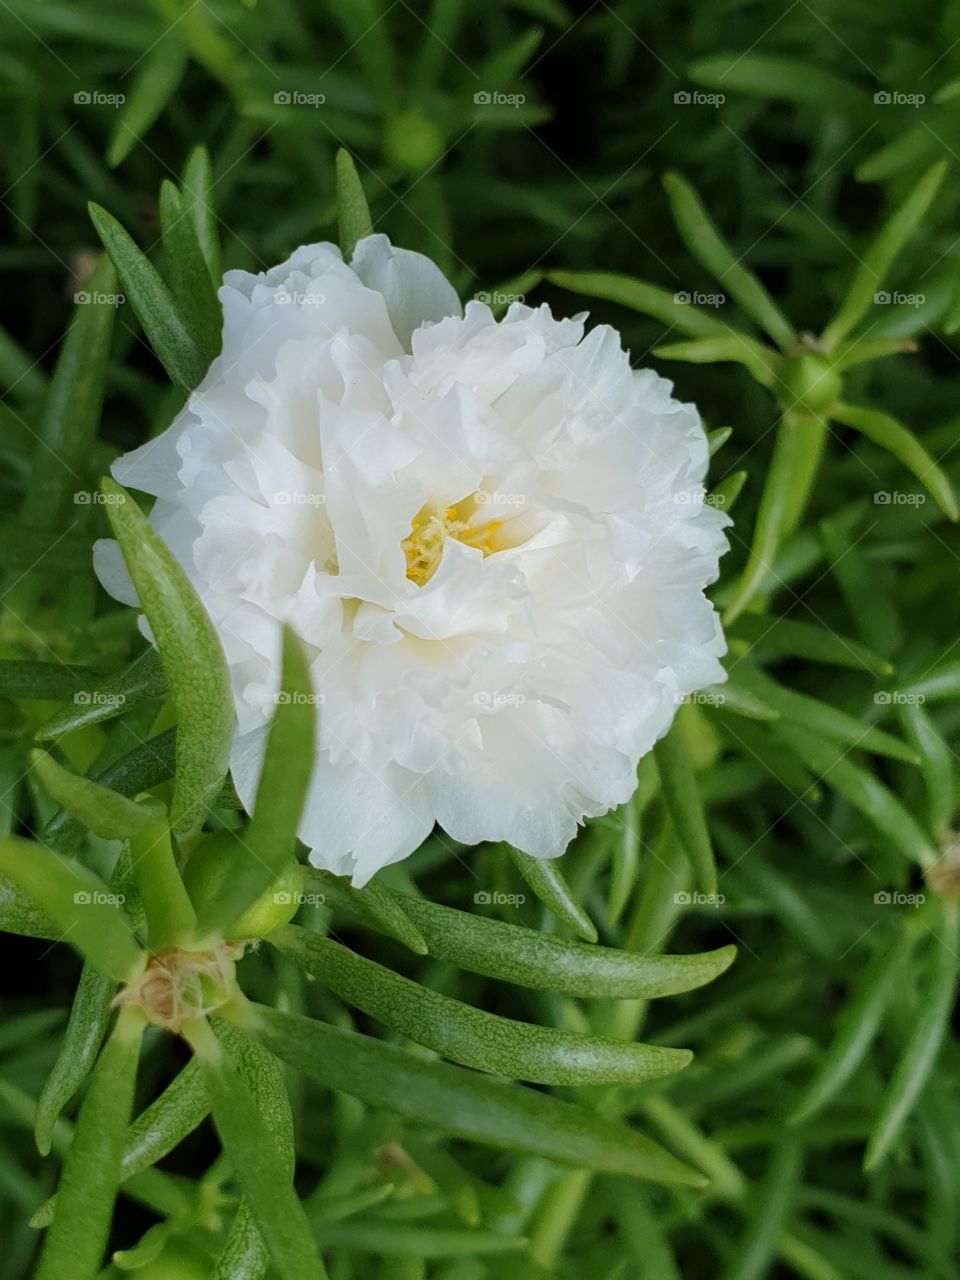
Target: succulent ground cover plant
296	983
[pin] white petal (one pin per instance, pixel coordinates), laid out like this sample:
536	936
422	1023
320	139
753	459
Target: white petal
358	821
112	572
414	288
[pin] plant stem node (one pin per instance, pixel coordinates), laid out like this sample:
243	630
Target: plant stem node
179	985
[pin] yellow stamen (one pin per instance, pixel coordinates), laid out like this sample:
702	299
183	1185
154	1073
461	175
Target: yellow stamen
423	546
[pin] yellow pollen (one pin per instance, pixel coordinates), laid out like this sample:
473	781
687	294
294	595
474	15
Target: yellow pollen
423	546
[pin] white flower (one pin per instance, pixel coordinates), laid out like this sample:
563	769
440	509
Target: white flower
491	537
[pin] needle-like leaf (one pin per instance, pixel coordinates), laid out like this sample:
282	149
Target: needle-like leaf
462	1102
91	1174
712	251
473	1037
353	212
192	657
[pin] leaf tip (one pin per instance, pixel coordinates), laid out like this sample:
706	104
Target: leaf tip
725	957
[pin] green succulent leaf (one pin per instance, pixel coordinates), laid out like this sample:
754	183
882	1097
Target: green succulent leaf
868	602
461	1102
544	962
726	492
260	1163
733	697
821	718
672	309
245	1252
880	255
773	1202
937	764
268	841
861	789
855	1033
89	1019
717	438
148	1248
682	798
142	681
192	657
473	1037
159	1128
353	212
73	403
80	903
710	249
547	881
43	680
146	766
154	85
104	812
778	79
245	1255
170	916
167	330
384	908
163	1125
786	637
736	348
197	193
187	273
20	914
91	1174
929	1026
796	457
905	447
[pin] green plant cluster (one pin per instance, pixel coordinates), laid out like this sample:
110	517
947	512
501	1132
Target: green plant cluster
479	1064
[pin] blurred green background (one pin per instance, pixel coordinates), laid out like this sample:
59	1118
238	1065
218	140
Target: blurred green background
506	141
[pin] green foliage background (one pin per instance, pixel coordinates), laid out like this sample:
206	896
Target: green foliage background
823	812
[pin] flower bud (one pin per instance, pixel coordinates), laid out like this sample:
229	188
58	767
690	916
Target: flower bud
208	871
412	142
812	384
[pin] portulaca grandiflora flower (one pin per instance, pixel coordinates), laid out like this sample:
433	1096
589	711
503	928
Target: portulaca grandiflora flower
490	536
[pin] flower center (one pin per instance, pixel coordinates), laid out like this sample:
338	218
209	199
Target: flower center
423	546
179	985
